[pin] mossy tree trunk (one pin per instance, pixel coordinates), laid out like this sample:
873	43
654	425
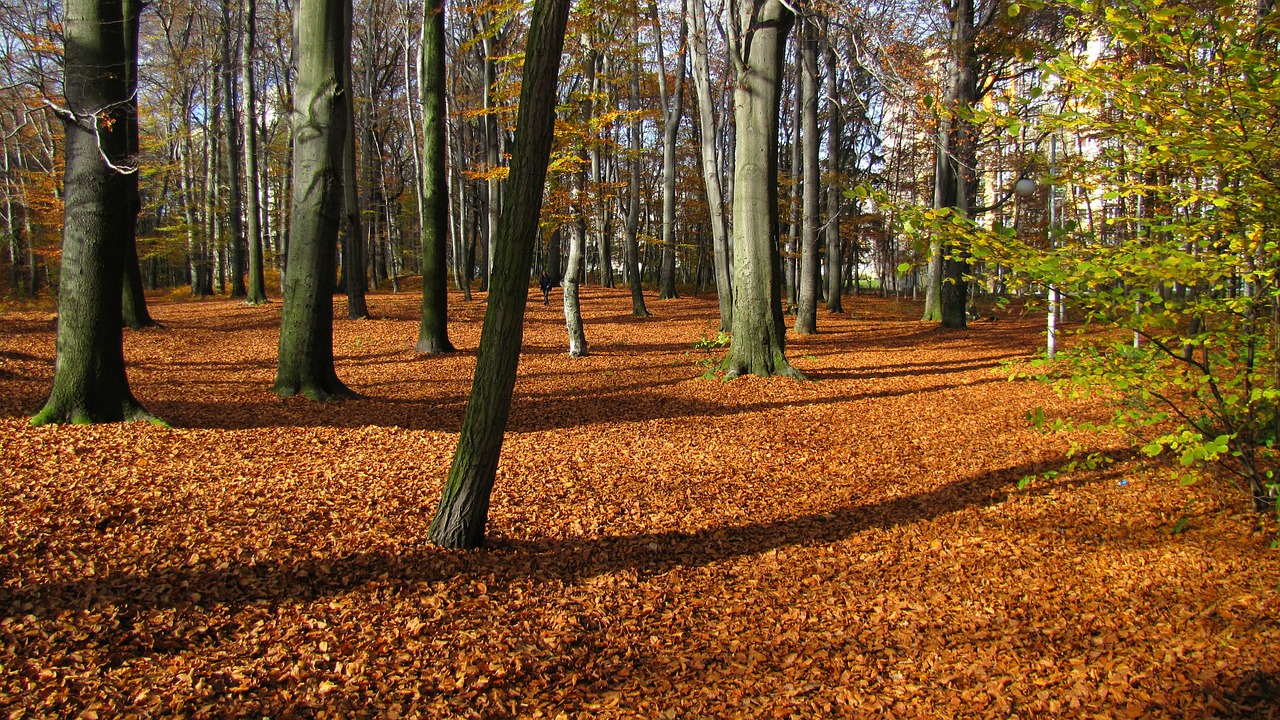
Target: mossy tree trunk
89	381
433	336
759	335
463	512
305	360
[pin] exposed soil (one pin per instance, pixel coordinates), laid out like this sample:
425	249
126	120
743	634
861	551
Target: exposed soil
662	545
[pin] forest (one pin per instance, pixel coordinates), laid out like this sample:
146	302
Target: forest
696	358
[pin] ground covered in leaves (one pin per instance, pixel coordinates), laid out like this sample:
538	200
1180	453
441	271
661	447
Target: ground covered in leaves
663	545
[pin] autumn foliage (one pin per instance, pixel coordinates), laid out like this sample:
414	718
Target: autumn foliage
663	545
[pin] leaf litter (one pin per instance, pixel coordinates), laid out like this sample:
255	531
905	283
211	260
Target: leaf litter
661	545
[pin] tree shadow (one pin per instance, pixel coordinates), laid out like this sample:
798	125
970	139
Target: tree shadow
236	583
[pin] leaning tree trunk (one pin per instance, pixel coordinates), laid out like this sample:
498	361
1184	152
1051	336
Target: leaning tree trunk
464	507
759	335
305	361
433	337
257	291
89	381
711	164
810	264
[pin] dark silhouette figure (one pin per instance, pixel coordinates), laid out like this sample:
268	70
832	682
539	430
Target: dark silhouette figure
545	283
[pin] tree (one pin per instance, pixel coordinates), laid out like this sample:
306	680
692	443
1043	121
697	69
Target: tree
632	225
305	359
353	256
89	380
834	133
758	44
1180	108
231	148
433	334
810	263
672	112
136	315
257	291
711	162
463	511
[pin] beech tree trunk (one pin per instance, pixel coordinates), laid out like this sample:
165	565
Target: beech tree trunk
573	279
305	360
353	250
672	111
257	290
711	164
231	132
89	381
632	227
433	336
463	512
810	264
835	129
136	315
759	335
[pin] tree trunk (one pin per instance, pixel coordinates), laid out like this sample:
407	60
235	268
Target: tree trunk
136	315
231	127
353	255
810	264
957	177
257	290
89	381
305	361
573	280
711	164
433	336
672	111
463	512
834	132
759	335
632	245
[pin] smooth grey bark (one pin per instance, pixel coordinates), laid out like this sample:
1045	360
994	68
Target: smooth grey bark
573	279
305	359
89	380
759	335
672	112
810	264
433	336
711	162
257	287
835	130
463	512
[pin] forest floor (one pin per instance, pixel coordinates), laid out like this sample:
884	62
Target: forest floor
662	545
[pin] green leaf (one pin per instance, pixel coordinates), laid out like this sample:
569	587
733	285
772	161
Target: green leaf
904	267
